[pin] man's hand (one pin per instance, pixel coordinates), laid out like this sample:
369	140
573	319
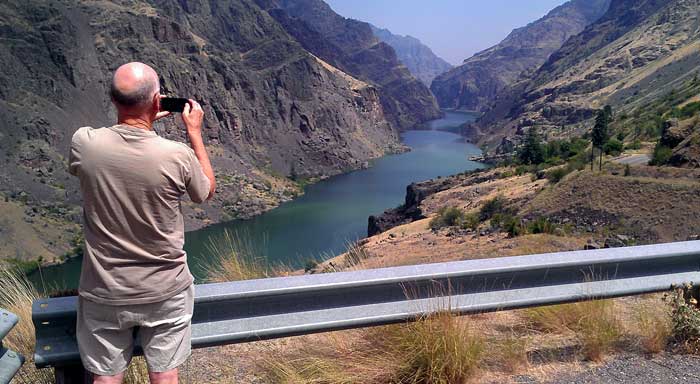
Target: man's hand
161	114
192	116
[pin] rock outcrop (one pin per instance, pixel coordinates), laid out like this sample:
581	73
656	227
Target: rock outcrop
416	56
351	46
411	210
476	83
273	111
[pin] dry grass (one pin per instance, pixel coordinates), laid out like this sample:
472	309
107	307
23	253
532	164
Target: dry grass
510	353
137	372
355	254
237	257
595	324
17	295
653	328
439	349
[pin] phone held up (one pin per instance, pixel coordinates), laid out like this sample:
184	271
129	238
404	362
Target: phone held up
173	104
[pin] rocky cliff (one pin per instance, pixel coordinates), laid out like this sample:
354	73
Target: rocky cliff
639	54
273	111
416	56
351	46
476	83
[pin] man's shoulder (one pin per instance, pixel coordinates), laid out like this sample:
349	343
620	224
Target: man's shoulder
87	133
82	133
177	147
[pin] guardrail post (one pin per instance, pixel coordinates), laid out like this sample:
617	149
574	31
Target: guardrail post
72	374
10	361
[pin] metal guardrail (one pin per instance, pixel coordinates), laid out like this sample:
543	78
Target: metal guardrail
253	310
10	362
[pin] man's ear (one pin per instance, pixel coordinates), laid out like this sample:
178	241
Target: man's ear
156	103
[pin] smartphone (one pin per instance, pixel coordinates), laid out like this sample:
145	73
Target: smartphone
173	104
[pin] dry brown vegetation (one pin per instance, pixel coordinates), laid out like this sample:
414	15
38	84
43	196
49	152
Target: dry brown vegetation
17	295
237	257
440	349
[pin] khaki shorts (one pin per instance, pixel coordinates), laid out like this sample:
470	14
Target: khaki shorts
106	333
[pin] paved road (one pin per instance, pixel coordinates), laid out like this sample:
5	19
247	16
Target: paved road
639	159
666	369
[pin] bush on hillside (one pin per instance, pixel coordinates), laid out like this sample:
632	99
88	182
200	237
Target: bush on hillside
471	221
635	145
508	223
613	147
492	207
447	217
662	154
556	174
541	225
687	111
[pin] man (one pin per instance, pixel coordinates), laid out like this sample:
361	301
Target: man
135	279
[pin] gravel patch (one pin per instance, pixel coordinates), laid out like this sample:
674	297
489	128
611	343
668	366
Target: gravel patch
636	369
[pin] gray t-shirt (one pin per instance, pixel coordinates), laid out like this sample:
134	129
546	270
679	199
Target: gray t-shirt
132	181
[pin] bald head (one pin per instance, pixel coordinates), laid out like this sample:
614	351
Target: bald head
134	86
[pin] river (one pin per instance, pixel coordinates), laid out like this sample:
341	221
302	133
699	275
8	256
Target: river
331	213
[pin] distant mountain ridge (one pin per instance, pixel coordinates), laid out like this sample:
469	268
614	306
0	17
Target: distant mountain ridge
423	63
350	46
639	52
476	83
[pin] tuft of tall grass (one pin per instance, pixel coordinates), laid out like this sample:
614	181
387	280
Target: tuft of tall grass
595	323
16	296
355	254
237	257
438	349
653	326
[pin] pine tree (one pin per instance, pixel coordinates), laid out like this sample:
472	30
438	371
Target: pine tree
599	136
531	151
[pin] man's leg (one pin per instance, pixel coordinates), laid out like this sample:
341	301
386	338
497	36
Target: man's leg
168	377
105	343
116	379
165	334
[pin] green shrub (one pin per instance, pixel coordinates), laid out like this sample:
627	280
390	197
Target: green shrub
471	221
492	207
613	147
522	169
662	154
447	217
508	223
685	316
688	110
635	145
555	175
541	225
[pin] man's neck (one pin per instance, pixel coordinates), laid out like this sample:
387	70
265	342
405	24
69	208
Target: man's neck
136	122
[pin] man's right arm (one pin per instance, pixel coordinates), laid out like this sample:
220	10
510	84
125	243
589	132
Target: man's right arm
193	116
75	156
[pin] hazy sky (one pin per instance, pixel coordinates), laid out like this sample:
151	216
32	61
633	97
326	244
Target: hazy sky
453	29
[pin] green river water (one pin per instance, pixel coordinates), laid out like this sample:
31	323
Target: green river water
331	213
